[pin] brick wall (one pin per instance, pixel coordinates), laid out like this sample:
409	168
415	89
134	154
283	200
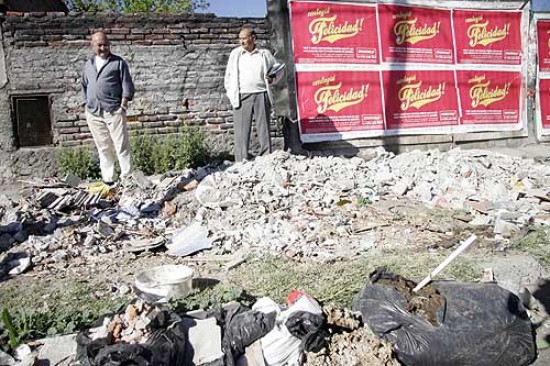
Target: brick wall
172	59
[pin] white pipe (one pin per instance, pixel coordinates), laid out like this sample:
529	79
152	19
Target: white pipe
446	262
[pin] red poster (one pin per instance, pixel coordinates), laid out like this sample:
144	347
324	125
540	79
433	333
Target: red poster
413	34
543	36
420	99
339	101
544	101
488	37
334	33
489	97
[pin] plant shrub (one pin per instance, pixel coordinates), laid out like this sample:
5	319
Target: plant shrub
157	155
79	162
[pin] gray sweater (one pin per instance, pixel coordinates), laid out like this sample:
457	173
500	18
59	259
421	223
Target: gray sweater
104	91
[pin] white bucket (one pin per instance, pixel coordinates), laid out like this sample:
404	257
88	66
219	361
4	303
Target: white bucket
166	282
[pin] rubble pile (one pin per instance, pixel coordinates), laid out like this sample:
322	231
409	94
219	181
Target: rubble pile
314	206
280	203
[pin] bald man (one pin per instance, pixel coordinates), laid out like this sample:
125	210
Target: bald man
107	87
247	84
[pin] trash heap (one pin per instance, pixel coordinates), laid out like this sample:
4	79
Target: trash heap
232	334
316	206
51	225
412	329
280	203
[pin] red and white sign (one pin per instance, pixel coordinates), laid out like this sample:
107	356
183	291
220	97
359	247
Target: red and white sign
339	101
543	37
331	33
489	97
365	69
417	35
544	102
420	99
488	37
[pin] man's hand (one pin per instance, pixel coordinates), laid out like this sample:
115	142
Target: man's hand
124	104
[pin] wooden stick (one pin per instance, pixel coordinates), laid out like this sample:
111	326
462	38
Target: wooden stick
446	262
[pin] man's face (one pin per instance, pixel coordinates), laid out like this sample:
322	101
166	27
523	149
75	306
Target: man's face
247	40
101	45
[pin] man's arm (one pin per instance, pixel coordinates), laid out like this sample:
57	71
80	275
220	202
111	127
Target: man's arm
270	61
83	88
127	85
227	77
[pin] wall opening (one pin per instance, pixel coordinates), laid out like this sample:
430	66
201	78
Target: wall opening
32	125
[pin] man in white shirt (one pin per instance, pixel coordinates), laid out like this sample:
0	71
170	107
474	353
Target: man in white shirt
247	86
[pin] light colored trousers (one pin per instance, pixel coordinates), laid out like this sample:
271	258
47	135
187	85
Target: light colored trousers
257	105
110	133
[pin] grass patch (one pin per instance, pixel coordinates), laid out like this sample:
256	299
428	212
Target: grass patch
535	243
339	282
211	297
44	309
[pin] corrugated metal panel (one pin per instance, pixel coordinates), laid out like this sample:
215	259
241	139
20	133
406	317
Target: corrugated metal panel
35	5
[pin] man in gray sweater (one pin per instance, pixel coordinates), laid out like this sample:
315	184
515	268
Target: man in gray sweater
107	87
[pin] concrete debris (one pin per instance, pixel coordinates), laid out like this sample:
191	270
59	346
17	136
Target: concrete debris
59	351
204	342
319	208
284	203
19	265
516	271
24	356
6	359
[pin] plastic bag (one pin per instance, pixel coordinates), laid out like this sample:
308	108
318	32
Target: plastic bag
189	240
243	327
296	328
309	328
477	324
164	347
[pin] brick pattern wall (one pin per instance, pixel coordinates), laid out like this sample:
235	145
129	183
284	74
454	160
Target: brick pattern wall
177	63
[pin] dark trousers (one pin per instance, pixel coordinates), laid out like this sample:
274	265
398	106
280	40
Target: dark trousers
252	105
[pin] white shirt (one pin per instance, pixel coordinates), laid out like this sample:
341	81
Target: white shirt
99	63
251	72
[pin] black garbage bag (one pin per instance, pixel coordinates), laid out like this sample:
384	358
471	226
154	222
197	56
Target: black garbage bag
241	327
309	328
164	347
244	328
124	355
476	324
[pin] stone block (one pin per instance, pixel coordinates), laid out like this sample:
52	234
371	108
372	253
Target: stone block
214	121
153	124
83	136
64	124
70	143
141	31
134	37
119	31
69	130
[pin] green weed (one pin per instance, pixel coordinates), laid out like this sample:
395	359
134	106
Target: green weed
176	152
535	243
211	297
44	309
79	162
